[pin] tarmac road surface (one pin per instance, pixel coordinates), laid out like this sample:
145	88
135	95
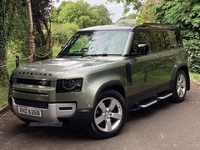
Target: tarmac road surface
164	126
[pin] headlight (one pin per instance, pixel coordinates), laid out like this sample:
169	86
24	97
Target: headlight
69	85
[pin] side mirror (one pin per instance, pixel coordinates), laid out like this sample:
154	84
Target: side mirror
142	49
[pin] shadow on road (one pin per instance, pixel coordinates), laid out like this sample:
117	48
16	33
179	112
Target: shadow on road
147	112
19	128
48	132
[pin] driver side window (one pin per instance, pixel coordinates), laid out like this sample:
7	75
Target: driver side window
140	38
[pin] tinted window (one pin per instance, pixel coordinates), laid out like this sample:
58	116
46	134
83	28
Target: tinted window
170	39
157	41
140	37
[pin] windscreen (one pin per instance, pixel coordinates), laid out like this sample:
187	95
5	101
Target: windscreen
96	43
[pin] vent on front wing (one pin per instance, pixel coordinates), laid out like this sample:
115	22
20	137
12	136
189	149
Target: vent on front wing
86	65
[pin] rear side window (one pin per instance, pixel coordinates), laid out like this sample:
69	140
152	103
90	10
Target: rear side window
164	40
157	41
170	39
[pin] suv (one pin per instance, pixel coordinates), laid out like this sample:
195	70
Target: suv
101	74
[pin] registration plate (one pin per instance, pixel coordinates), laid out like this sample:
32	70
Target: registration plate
30	111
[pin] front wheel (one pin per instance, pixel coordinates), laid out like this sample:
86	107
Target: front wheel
180	87
109	115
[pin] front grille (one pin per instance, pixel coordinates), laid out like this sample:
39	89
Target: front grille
34	82
31	103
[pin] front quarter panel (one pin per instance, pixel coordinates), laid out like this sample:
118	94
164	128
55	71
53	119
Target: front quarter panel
98	80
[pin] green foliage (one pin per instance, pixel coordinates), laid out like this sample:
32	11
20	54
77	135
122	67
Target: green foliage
130	4
18	42
80	13
195	76
11	65
3	95
130	16
71	16
185	14
56	50
146	14
195	64
62	32
104	15
18	35
7	10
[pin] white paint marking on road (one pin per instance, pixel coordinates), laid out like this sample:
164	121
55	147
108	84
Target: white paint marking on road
162	136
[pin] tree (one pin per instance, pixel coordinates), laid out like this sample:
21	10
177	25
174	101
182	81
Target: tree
184	14
31	42
81	13
3	70
130	4
130	16
41	29
104	14
42	23
146	14
7	11
62	32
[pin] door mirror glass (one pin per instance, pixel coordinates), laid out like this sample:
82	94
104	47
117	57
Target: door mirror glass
142	49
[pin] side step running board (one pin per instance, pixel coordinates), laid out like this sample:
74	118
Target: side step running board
148	104
155	101
164	97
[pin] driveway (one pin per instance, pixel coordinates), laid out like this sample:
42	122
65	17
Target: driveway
164	126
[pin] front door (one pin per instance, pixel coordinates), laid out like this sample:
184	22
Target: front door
145	76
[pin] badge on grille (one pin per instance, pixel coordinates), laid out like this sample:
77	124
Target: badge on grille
44	83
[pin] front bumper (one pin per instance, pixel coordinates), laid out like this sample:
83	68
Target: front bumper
67	113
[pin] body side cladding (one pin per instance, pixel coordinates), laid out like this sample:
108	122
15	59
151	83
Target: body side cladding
128	73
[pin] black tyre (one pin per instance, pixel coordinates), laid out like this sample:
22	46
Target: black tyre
109	115
180	87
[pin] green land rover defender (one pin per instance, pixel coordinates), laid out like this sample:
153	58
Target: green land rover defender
101	74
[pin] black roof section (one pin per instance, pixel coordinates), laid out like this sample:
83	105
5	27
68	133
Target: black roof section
149	26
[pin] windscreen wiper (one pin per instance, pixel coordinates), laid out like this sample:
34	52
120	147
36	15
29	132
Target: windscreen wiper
85	55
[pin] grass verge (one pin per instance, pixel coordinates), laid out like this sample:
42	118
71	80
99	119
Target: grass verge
195	76
3	95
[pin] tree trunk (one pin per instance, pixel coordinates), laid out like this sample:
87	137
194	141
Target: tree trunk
31	41
3	69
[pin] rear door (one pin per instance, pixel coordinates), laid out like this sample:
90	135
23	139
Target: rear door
166	60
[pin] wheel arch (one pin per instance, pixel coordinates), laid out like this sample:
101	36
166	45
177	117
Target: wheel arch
186	70
112	85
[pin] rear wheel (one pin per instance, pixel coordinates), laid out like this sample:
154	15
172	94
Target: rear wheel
180	87
109	115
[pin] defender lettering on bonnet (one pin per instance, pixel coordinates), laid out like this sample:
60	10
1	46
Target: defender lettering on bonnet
100	75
